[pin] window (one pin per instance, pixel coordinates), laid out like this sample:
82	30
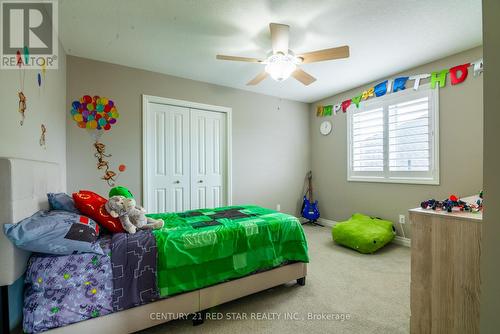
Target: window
394	138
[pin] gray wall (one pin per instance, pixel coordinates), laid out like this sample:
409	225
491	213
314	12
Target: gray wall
461	153
270	136
46	106
490	248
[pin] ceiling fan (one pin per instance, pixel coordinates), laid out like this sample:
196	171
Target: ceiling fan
281	62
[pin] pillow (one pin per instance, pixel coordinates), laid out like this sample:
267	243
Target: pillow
61	201
92	205
55	232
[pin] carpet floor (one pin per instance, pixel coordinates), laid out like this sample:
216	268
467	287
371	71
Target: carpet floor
345	292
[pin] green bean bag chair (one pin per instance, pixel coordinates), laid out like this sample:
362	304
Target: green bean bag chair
363	233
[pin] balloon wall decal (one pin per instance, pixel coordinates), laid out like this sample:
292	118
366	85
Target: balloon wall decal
26	55
98	115
458	74
94	113
22	97
42	140
19	60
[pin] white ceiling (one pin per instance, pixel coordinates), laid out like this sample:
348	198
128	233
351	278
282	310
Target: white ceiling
182	37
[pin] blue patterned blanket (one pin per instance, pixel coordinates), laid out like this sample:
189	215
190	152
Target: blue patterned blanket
61	290
134	269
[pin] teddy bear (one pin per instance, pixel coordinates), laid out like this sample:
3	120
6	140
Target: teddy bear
131	215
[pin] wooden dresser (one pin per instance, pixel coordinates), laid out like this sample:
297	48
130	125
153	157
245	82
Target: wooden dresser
445	281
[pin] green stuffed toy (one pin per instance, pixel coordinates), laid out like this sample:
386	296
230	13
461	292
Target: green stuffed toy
120	191
363	233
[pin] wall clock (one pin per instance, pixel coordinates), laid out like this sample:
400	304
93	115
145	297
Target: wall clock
325	128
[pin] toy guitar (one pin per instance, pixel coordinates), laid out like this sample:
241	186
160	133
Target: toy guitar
310	209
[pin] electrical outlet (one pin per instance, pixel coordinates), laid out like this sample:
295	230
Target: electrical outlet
278	207
402	219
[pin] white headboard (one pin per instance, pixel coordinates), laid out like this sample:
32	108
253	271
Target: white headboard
24	185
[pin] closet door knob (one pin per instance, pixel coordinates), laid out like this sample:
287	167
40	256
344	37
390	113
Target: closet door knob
200	181
177	181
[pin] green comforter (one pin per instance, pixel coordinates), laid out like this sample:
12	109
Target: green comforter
203	247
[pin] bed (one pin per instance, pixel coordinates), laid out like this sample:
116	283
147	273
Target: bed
222	244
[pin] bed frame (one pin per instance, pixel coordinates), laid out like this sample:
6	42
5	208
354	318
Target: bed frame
24	185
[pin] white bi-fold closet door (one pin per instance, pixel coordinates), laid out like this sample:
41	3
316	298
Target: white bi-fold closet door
186	153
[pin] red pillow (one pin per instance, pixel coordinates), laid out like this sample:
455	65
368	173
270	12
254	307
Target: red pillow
92	205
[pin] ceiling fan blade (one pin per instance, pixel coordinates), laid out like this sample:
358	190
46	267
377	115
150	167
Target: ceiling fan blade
303	77
261	76
233	58
279	37
326	54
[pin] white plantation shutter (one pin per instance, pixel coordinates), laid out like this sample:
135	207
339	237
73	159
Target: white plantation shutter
409	136
368	140
394	138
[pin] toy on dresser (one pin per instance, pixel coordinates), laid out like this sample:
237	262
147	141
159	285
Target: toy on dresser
454	204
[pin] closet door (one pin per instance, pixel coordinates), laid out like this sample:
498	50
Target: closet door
208	159
168	166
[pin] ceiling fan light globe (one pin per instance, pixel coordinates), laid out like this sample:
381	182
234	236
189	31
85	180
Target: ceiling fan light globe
280	67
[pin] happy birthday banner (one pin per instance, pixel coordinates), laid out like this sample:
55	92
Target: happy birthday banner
458	74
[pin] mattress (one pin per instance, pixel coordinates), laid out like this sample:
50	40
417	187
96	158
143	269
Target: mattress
195	249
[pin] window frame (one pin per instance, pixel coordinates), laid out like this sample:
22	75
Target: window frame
432	176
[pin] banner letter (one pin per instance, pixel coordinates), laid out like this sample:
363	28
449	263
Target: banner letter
336	108
319	111
389	85
380	89
345	105
327	110
368	93
399	84
438	77
417	79
454	72
356	100
478	67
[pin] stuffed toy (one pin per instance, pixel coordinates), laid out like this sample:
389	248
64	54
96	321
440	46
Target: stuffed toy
132	216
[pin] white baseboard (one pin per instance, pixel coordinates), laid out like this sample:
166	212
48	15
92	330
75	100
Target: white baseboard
327	222
402	241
